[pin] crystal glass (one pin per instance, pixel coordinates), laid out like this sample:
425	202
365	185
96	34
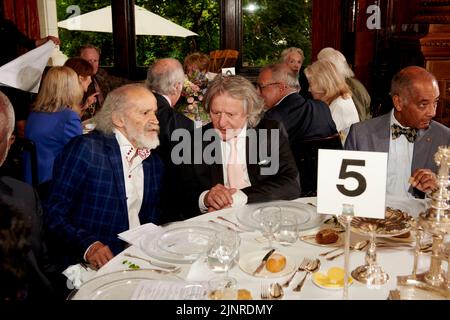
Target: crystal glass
270	219
288	230
223	251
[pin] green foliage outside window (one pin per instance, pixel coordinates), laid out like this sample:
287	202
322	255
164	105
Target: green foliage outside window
273	26
278	24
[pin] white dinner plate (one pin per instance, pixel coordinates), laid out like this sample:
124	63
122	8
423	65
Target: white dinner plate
117	285
180	242
306	214
250	261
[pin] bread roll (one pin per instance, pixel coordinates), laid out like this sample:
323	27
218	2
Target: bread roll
244	294
276	263
327	236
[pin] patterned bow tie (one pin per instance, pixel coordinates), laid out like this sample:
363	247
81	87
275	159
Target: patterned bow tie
410	133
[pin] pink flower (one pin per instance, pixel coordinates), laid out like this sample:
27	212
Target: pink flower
190	100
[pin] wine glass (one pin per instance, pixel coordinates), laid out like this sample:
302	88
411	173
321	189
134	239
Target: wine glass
270	218
227	248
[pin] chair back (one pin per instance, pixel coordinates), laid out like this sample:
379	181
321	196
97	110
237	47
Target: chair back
306	156
19	147
222	59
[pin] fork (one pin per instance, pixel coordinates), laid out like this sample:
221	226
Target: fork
311	267
265	294
301	267
157	264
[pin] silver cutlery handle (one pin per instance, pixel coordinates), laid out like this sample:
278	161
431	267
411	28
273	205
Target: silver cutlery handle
286	284
335	256
323	254
299	287
155	263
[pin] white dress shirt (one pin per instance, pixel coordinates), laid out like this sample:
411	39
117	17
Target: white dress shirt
133	174
399	163
239	197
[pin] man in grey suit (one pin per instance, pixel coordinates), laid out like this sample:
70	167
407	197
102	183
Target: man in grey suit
407	133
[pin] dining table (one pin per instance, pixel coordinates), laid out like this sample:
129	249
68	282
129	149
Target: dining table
395	260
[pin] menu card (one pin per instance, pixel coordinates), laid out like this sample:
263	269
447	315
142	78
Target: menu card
170	290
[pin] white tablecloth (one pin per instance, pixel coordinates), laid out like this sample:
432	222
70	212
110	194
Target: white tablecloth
395	262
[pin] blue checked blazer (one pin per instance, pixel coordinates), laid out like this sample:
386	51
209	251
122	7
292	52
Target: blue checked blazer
87	199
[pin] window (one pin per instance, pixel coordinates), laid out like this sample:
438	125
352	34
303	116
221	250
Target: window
270	26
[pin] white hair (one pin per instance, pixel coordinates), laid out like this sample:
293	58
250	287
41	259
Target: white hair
7	118
339	61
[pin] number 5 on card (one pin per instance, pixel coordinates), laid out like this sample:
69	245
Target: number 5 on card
353	177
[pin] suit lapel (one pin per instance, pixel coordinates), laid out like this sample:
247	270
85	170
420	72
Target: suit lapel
252	167
423	148
381	134
113	151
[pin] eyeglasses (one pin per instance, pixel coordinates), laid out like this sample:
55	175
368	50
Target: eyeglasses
263	86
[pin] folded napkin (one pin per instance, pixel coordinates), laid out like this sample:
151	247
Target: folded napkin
200	271
77	275
135	235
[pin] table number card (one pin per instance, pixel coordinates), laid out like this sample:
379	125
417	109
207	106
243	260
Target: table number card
357	178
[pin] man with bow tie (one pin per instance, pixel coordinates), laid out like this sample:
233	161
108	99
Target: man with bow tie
107	181
407	133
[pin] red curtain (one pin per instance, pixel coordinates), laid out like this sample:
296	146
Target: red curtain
326	25
24	13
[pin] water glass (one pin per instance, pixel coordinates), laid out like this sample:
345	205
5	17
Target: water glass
270	218
288	230
222	289
223	251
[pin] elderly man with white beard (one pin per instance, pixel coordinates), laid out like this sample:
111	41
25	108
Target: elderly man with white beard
107	181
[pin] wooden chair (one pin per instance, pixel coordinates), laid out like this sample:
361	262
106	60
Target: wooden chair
306	157
222	59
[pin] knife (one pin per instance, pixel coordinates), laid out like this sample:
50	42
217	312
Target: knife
263	262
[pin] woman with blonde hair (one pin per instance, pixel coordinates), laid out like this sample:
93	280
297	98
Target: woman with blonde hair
360	96
54	119
326	84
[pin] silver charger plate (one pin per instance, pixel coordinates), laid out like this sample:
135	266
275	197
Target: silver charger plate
180	242
117	285
306	214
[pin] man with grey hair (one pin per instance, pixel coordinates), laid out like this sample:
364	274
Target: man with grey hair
303	118
107	181
23	199
244	159
165	78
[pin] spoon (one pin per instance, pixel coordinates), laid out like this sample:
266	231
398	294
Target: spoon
276	291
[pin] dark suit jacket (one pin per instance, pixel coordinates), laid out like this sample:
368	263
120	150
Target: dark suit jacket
169	121
87	199
374	135
283	185
22	197
303	119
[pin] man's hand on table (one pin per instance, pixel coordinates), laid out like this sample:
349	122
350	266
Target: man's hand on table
219	197
99	254
424	180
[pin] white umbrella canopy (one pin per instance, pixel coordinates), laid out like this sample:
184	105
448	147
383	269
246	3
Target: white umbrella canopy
147	23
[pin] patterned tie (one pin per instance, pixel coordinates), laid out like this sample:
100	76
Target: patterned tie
410	133
235	171
141	152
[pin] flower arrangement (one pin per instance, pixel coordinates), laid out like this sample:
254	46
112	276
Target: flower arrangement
191	98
